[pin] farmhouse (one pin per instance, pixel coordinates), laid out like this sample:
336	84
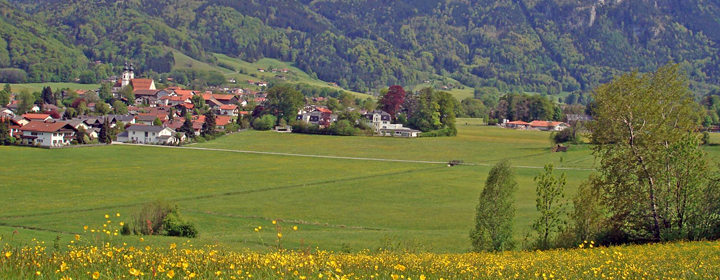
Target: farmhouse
147	134
517	125
320	116
548	125
37	117
47	133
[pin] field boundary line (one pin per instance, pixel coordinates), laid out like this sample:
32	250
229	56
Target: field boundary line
36	228
349	158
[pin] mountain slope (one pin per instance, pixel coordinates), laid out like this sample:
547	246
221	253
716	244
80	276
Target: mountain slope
546	46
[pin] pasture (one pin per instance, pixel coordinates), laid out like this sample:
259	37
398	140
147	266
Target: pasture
346	199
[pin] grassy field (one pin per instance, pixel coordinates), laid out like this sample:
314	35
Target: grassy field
54	86
184	62
338	203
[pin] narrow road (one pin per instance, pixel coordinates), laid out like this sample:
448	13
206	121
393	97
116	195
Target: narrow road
341	157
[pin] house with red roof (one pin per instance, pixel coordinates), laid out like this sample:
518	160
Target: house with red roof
37	117
517	125
47	133
548	125
228	110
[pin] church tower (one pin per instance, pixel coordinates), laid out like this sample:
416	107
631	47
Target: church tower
128	75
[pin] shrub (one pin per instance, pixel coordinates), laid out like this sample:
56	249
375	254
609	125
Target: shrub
150	219
159	218
265	122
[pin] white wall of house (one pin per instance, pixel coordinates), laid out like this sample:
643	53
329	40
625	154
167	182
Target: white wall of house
49	139
148	137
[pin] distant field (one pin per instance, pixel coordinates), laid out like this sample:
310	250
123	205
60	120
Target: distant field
337	202
184	61
39	86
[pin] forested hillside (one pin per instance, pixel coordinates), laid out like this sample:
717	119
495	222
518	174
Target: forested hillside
546	46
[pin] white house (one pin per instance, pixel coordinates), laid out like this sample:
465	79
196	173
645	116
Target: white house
379	120
47	134
148	134
400	132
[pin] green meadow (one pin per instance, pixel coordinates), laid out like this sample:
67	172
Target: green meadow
55	86
347	200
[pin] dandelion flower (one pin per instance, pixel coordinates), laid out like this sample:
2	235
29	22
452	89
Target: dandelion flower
96	275
171	274
107	216
134	272
274	222
117	215
8	254
77	237
294	227
38	273
279	235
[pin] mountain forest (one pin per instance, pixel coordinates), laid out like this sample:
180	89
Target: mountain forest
535	46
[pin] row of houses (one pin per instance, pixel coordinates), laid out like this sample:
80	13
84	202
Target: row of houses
379	121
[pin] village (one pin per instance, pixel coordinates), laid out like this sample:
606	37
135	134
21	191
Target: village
168	116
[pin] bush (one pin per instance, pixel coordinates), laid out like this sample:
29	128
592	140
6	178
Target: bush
439	133
159	218
265	122
150	219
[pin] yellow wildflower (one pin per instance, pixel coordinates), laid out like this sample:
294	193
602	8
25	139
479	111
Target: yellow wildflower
134	272
274	222
107	216
279	235
8	254
171	274
294	227
96	275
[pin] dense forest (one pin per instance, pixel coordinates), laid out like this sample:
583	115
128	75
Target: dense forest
545	46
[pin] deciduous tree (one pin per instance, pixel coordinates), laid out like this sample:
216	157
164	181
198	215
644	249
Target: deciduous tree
392	100
495	213
549	202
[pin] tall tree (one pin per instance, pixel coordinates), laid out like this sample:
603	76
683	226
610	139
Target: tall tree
27	101
283	102
392	100
642	124
128	93
187	127
120	108
5	95
105	136
157	122
105	92
549	202
209	126
47	96
496	211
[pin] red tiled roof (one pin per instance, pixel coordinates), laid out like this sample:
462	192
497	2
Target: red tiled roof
140	84
244	112
518	123
537	123
33	117
222	120
145	92
183	92
40	126
228	107
324	110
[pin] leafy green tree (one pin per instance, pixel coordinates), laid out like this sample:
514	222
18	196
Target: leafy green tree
333	104
549	202
80	136
495	212
157	122
283	102
120	107
69	113
650	164
102	108
198	101
265	122
5	95
88	77
105	92
27	101
4	130
128	93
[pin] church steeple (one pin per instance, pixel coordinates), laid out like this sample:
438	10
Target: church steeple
127	75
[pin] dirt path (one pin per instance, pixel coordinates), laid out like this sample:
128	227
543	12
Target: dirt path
342	157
